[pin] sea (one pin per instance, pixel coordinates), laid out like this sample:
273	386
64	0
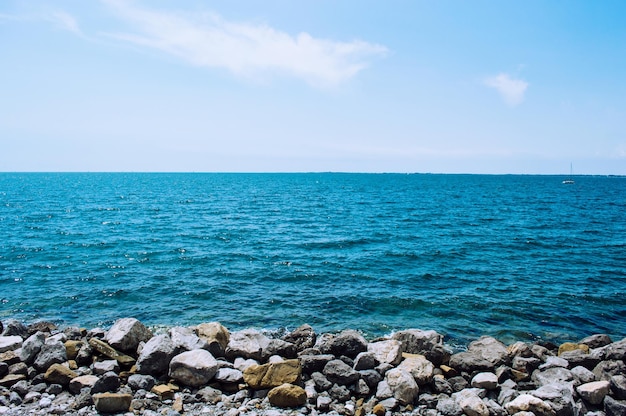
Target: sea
517	257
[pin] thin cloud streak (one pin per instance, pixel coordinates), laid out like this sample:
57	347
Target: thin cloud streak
245	49
511	90
66	21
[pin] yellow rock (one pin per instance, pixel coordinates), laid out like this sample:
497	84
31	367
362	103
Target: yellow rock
272	375
112	402
379	410
287	395
571	346
165	391
448	371
107	350
72	347
59	374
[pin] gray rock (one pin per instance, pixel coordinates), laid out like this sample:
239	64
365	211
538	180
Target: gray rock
323	403
618	386
594	392
388	351
614	407
108	382
141	382
553	361
10	343
365	361
279	347
402	385
185	339
486	380
193	368
31	347
583	375
560	396
449	407
529	403
21	387
302	337
101	367
596	341
616	350
53	353
228	376
416	341
313	363
126	334
458	383
419	367
82	382
469	361
471	403
248	343
371	377
579	357
607	369
441	385
336	371
13	327
156	355
349	343
209	395
361	388
552	375
339	393
320	381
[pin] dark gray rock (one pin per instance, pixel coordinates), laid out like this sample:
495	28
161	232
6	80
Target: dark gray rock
607	369
349	343
141	382
31	347
279	347
618	386
13	327
156	355
339	372
371	377
302	337
469	361
4	369
321	382
560	396
616	350
49	354
108	382
365	361
416	341
339	393
313	363
458	383
596	341
614	407
579	357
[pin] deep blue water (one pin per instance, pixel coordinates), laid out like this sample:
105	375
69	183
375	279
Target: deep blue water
517	257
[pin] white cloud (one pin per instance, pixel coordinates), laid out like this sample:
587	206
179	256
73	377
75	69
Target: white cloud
66	21
247	49
512	90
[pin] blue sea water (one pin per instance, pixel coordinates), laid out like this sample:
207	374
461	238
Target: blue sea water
516	257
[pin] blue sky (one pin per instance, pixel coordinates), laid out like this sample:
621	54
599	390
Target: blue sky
313	85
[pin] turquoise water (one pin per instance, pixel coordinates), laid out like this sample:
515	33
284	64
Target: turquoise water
517	257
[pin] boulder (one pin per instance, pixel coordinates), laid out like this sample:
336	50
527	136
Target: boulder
594	392
156	355
272	375
14	327
471	403
490	349
365	361
552	375
112	402
571	346
336	371
101	367
126	334
607	369
583	375
487	381
551	362
402	385
216	336
614	407
72	348
82	382
10	343
248	343
193	368
349	343
107	382
110	352
469	361
419	367
416	341
529	403
185	339
31	347
302	337
279	347
618	386
228	376
558	395
53	353
315	363
141	382
59	374
287	395
388	351
616	350
596	341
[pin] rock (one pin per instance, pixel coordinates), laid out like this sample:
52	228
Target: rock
302	337
419	367
59	374
339	372
272	375
315	363
101	367
209	395
82	382
165	391
4	369
248	343
471	403
13	327
50	354
216	336
552	375
11	379
447	406
416	341
552	362
469	361
579	357
487	381
560	396
389	351
441	385
185	339
108	382
583	375
607	369
596	341
110	352
339	393
156	355
141	382
365	361
402	385
616	350
594	392
349	343
371	377
193	368
490	349
287	395
618	386
112	402
126	334
31	347
570	346
614	407
72	347
529	403
279	347
10	343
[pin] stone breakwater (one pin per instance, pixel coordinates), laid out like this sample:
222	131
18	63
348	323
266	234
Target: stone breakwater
208	370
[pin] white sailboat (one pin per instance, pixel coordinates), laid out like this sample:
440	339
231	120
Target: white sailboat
569	180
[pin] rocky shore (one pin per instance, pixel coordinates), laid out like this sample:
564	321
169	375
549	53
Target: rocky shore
209	370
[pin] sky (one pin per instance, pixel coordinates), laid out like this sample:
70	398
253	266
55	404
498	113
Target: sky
522	87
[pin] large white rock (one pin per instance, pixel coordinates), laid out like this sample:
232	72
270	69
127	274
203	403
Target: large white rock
529	403
419	367
402	385
10	343
126	334
595	391
486	380
389	351
471	403
248	343
193	368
